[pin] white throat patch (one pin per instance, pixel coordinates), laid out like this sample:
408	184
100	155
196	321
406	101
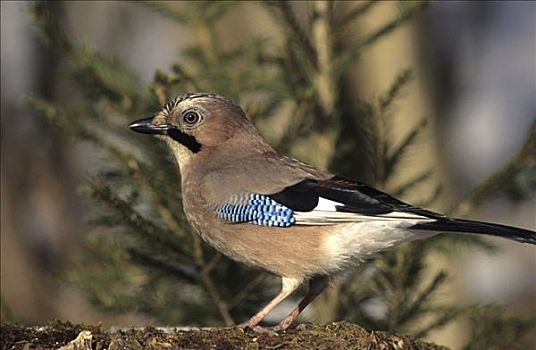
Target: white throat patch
181	153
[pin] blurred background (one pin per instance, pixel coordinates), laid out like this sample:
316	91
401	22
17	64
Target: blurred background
474	71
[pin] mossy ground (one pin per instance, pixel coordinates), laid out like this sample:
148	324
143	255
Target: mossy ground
336	335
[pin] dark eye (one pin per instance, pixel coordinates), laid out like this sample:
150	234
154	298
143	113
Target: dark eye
191	118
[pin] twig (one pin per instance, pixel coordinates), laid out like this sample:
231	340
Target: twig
356	12
400	81
207	282
391	26
354	52
295	125
245	291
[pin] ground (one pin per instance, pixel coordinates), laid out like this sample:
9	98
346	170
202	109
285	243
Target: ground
336	335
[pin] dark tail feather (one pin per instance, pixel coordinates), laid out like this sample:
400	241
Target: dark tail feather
478	227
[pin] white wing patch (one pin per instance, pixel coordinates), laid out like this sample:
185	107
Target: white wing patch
325	213
326	205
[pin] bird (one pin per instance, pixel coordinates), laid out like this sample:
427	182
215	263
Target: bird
278	214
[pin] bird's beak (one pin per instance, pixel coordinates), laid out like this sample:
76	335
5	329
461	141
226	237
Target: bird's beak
146	126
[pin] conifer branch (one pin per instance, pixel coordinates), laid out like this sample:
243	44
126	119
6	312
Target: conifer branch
98	189
296	124
422	299
412	183
446	315
164	9
497	182
162	266
208	282
394	156
248	288
78	129
408	13
98	75
357	12
291	21
401	80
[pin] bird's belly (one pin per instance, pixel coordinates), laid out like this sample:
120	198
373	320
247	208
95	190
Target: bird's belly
304	251
355	242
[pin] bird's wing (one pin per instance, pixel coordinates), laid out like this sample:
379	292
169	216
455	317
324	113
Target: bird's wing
339	200
320	202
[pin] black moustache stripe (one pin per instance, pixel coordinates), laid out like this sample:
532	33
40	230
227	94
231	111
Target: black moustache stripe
187	140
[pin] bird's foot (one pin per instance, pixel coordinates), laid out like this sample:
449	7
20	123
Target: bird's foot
253	324
267	330
257	328
282	326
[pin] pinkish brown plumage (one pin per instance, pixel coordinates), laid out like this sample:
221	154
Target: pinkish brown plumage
276	213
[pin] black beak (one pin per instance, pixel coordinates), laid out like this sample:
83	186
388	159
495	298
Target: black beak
146	126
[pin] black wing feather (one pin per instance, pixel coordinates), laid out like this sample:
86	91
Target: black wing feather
355	197
300	197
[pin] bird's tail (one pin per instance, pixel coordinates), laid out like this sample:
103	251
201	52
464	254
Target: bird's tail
478	227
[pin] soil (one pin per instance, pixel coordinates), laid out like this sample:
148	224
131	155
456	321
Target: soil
336	335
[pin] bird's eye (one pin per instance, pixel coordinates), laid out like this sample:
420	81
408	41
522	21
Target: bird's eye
191	118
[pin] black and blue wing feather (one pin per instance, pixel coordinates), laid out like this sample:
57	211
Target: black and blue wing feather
256	209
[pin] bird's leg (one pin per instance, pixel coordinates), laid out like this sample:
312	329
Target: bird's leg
316	286
289	285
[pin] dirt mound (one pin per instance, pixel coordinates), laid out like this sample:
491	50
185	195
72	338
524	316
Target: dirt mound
336	335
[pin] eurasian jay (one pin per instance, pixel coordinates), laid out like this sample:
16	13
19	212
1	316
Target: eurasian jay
276	213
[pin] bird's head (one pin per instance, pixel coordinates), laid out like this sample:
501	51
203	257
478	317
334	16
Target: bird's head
193	124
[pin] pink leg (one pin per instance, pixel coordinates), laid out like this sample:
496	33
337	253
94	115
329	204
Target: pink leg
316	286
289	285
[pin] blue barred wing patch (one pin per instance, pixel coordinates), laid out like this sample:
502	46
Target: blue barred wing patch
256	209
